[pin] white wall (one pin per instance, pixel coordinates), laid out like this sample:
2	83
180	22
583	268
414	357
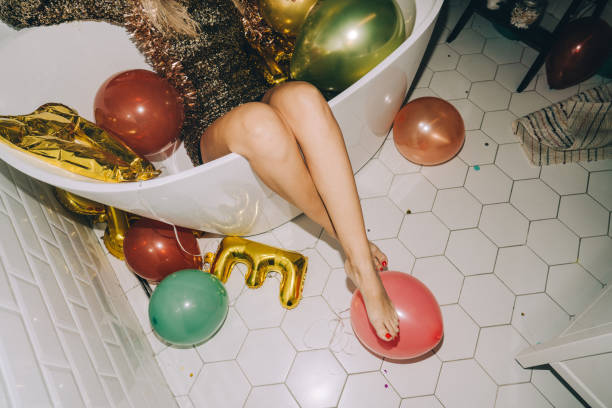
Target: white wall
68	336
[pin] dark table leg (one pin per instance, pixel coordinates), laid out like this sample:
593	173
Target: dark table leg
469	10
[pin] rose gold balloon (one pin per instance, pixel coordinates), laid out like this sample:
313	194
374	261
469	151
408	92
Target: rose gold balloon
428	131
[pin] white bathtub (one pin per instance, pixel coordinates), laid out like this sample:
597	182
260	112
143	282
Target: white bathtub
67	64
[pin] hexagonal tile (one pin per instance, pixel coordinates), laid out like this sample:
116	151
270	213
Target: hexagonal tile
440	276
298	234
400	259
423	234
368	390
412	192
382	217
180	368
414	377
535	199
311	325
316	275
443	58
554	95
421	93
583	215
464	384
538	318
450	84
270	396
498	125
457	208
392	159
350	352
489	95
478	148
339	290
468	42
316	379
373	180
503	51
520	269
553	242
460	334
600	188
428	401
503	224
225	344
565	178
529	55
446	175
470	113
554	390
496	352
330	250
477	67
220	384
512	160
266	356
488	184
572	287
425	78
511	76
260	307
596	256
487	300
471	252
597	166
526	102
520	395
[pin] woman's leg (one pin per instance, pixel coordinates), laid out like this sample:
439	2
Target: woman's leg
324	185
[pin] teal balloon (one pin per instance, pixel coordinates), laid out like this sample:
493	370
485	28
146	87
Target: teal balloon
188	307
341	40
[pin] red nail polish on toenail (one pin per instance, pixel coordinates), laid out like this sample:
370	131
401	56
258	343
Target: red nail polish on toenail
381	268
384	263
388	335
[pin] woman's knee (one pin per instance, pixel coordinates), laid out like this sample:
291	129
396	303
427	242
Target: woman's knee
257	127
298	95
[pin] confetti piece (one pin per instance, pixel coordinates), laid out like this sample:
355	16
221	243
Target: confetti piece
477	167
191	374
386	385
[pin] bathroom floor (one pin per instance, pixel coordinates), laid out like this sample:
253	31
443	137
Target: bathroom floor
512	253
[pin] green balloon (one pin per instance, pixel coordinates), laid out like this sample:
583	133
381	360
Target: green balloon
188	307
341	40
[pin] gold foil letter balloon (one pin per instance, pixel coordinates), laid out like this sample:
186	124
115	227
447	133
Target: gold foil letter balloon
342	40
261	259
286	16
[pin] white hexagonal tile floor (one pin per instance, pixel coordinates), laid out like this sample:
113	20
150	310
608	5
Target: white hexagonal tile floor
509	249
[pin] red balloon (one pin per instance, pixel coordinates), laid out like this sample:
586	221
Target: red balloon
152	251
140	108
419	316
581	49
428	131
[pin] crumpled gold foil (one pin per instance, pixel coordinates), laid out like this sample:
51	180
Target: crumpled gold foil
57	134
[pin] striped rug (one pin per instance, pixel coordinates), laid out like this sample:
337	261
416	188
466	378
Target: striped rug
576	129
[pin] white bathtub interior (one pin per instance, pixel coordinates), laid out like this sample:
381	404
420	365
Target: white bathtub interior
67	63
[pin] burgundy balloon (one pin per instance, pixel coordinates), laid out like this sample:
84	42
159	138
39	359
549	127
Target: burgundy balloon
580	50
152	251
140	108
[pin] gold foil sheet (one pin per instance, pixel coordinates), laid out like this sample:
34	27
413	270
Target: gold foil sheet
57	134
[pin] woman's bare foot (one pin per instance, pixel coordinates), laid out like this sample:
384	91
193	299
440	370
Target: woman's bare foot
380	259
381	313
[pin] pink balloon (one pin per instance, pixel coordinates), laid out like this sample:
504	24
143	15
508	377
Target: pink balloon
419	315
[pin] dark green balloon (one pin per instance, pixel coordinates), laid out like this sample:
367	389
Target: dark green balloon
341	40
188	307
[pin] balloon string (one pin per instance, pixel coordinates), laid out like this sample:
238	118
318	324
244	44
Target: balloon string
341	334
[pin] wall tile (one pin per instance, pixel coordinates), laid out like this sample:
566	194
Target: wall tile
97	312
18	356
66	388
6	294
38	217
15	260
70	255
29	238
6	180
116	392
96	347
55	299
62	272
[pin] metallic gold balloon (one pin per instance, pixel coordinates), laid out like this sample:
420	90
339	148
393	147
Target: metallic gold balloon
57	135
261	259
342	40
77	204
286	16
